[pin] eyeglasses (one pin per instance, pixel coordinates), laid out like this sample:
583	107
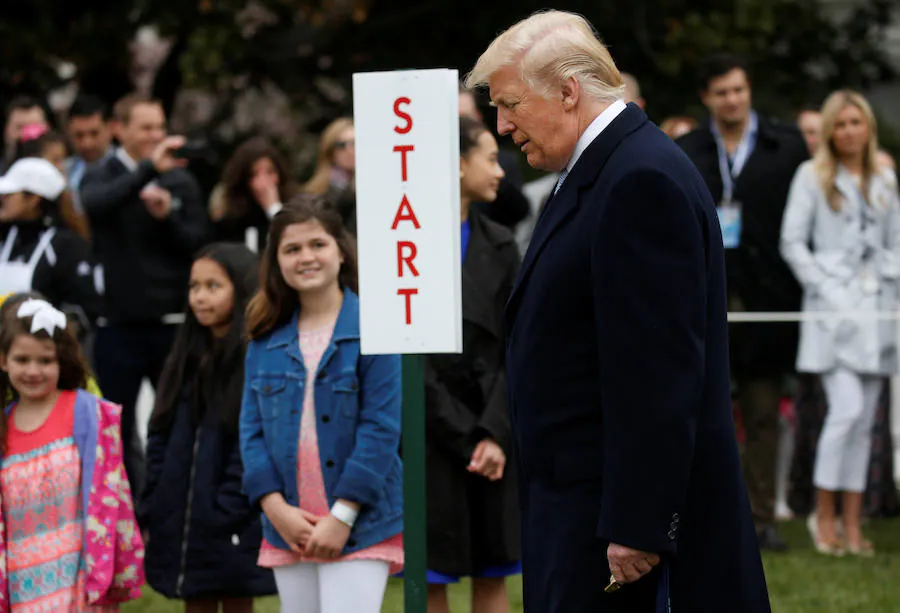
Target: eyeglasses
343	144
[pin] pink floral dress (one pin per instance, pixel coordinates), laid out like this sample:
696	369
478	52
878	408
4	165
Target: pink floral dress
309	471
40	481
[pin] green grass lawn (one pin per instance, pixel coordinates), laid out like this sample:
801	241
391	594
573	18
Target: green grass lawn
801	581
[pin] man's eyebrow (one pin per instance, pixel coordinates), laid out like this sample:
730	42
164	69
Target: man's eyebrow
501	101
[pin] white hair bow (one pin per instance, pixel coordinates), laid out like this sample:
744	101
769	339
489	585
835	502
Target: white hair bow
44	316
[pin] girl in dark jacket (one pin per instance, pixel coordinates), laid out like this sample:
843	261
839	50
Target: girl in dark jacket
473	517
203	536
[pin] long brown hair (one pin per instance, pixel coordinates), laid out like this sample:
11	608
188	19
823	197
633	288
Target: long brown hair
321	178
213	369
826	159
275	302
237	174
73	368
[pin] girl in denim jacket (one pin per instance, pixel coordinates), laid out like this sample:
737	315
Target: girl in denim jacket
320	423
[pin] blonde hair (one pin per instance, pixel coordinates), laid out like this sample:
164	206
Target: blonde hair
826	159
549	48
321	178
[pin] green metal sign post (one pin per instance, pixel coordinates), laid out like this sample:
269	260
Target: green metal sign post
414	526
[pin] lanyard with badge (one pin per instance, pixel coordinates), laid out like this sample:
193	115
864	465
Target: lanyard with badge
729	209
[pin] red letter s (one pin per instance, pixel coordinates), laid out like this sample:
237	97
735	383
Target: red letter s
402	115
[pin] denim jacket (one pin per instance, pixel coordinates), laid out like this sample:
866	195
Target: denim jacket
357	404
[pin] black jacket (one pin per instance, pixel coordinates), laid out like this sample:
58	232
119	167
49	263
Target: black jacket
204	537
146	261
473	523
65	272
758	279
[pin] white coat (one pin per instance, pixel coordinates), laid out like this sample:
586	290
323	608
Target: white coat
847	260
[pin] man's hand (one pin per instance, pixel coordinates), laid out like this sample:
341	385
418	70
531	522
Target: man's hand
328	538
488	460
157	200
628	565
163	158
265	191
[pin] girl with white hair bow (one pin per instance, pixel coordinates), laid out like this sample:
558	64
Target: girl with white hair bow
61	473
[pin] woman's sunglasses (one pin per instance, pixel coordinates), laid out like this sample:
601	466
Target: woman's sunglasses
343	144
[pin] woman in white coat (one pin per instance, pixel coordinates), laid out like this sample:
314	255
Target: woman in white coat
841	237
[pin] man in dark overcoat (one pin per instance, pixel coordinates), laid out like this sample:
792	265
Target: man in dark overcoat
617	349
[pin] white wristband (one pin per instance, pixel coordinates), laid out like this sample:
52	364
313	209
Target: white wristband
344	513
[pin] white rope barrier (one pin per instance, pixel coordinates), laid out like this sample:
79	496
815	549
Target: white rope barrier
783	317
775	316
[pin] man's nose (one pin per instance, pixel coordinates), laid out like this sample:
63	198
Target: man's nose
504	125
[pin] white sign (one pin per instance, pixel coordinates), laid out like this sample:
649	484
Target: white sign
407	211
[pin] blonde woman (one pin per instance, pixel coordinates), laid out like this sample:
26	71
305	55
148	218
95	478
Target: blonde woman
335	169
841	238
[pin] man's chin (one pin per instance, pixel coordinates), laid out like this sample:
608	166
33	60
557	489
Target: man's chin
147	153
538	162
734	121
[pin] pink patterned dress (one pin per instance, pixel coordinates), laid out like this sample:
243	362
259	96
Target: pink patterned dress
309	471
40	479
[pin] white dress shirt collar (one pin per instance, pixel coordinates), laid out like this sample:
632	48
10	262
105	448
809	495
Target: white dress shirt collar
593	131
126	159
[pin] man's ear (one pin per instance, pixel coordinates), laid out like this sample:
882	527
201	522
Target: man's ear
571	93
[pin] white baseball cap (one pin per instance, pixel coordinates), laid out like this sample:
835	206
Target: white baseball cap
34	175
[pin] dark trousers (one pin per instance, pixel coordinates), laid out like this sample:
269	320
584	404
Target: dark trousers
124	355
759	400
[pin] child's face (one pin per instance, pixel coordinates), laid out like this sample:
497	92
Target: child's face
309	257
32	366
211	295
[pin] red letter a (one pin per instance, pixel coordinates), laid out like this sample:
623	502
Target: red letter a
405	213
